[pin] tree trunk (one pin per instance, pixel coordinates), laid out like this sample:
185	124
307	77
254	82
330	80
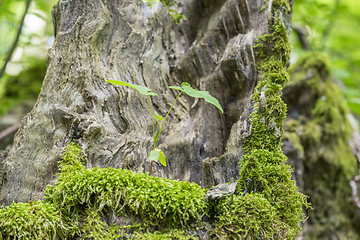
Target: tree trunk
127	40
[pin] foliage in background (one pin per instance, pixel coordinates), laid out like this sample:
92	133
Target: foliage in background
320	128
24	86
26	70
10	15
331	26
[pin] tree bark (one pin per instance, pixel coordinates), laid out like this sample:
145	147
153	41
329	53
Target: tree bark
127	40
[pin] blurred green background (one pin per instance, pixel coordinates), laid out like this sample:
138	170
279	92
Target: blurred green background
27	67
331	26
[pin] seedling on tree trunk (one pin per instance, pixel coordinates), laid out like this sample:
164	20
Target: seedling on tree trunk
157	154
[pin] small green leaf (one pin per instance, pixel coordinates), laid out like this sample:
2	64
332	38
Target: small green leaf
157	154
141	89
158	117
177	88
201	94
162	158
154	155
151	1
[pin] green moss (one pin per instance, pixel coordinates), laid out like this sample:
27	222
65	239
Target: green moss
276	4
281	4
173	235
264	161
33	220
83	196
158	201
250	217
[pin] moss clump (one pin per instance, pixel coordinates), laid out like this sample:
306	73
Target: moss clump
160	203
324	133
173	235
264	161
33	220
80	199
248	217
157	201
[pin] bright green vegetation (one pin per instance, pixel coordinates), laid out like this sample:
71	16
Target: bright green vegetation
173	235
329	27
248	217
157	154
28	53
33	220
271	191
323	134
11	13
79	199
157	201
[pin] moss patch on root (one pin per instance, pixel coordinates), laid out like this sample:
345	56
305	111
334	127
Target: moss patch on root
271	191
33	220
76	204
248	217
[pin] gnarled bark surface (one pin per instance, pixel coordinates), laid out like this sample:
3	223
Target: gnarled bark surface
98	40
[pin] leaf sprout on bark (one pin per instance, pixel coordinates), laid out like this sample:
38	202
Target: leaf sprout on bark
158	154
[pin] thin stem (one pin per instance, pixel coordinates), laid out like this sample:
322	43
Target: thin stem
152	120
8	57
154	133
150	168
157	128
168	115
